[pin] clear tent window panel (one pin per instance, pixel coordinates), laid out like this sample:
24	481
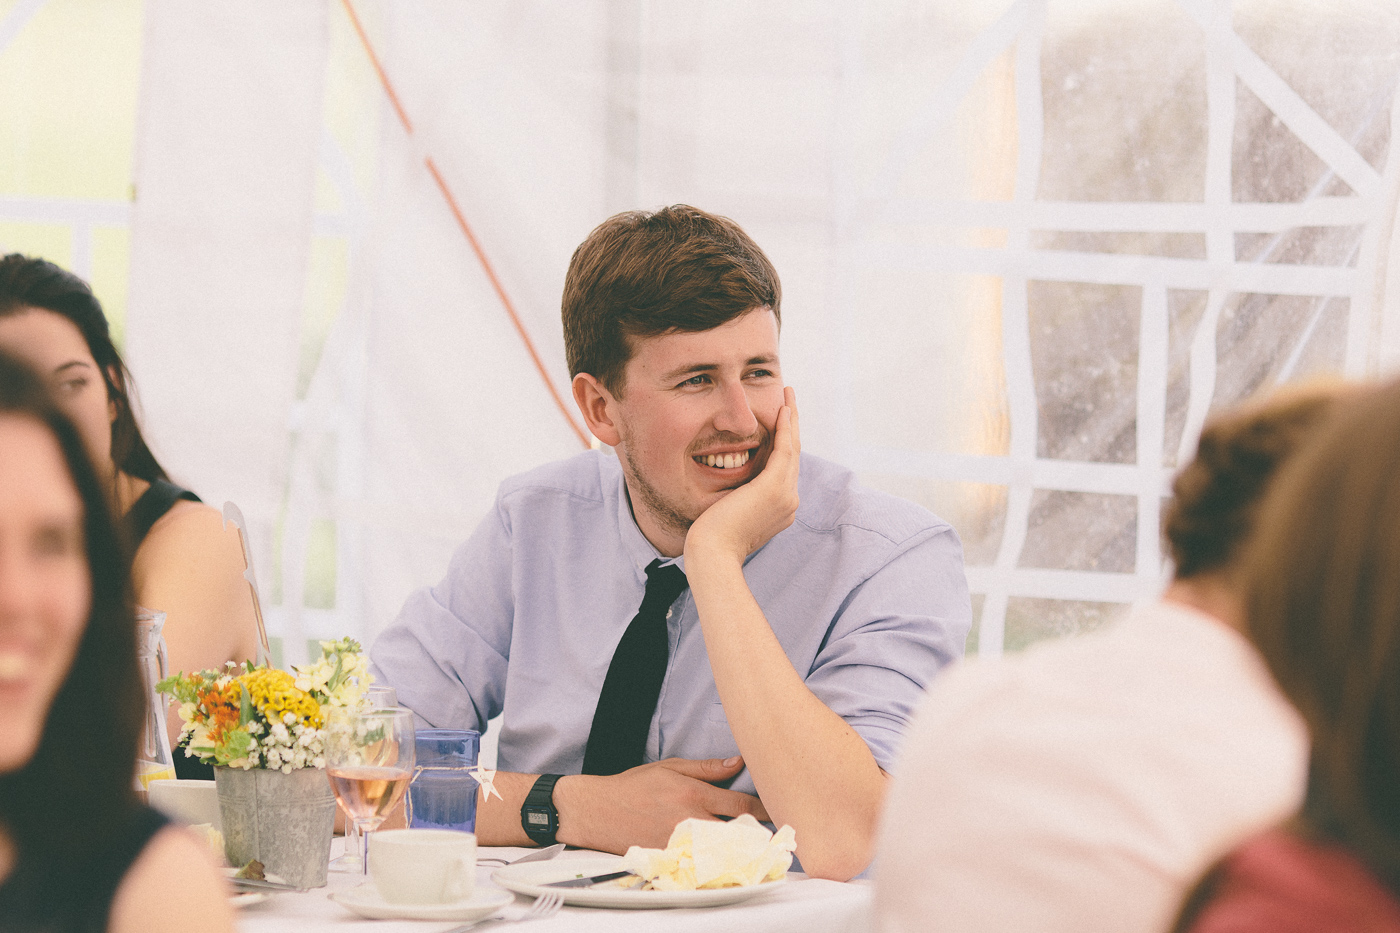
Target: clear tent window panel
1181	204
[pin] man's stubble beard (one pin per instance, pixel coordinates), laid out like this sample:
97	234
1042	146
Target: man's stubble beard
666	514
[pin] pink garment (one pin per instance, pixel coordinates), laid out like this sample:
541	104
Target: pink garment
1281	883
1085	785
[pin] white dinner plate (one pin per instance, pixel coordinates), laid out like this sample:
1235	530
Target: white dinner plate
529	878
365	901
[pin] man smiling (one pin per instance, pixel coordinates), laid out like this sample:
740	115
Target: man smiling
775	675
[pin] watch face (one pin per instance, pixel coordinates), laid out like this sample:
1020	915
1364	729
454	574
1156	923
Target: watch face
539	820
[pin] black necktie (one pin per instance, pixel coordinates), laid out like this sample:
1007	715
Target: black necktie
618	739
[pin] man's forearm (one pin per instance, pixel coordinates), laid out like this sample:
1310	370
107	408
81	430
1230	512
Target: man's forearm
498	820
578	800
811	769
640	806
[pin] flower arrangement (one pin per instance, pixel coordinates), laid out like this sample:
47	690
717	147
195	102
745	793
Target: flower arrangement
261	717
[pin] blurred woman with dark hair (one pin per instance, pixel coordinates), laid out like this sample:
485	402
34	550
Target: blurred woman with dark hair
186	563
77	851
1323	607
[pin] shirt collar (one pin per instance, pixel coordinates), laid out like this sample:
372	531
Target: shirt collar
639	550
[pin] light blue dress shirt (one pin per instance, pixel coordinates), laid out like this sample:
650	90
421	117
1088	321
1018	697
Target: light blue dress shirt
865	592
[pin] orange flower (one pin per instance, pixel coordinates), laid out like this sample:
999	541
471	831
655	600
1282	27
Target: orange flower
221	708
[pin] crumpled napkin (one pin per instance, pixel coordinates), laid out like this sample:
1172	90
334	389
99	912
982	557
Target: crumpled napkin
713	854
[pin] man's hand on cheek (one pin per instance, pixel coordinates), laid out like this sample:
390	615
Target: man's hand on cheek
641	806
745	519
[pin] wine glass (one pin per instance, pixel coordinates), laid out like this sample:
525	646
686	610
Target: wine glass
369	760
379	696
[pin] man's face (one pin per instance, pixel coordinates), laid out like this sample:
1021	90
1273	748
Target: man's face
696	419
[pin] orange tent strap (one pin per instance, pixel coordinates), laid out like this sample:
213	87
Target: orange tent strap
465	228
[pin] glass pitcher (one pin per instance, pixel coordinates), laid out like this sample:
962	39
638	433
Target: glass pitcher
153	761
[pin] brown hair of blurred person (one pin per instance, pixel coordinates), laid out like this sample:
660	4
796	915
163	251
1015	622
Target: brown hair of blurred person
1216	497
1322	585
1324	609
642	274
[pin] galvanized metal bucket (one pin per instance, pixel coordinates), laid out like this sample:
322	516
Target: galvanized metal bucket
284	821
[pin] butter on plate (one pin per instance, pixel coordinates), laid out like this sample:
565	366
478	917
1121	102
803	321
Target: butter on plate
712	854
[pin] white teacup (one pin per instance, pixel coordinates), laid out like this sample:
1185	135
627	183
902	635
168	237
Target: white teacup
423	866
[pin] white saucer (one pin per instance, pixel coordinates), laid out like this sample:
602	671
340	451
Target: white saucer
365	901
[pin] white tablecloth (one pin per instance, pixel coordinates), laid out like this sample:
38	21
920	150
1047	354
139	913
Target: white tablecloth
801	905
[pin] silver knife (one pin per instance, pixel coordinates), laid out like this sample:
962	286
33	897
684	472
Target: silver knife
587	882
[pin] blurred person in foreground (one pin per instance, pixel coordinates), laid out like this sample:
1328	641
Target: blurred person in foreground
77	850
810	614
186	562
1083	785
1323	601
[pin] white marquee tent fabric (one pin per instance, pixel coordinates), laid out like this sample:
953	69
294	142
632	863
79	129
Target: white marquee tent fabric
1027	246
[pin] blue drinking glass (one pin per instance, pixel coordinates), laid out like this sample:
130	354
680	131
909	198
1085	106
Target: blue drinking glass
443	792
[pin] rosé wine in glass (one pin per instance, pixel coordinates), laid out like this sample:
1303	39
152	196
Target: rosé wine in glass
369	762
368	794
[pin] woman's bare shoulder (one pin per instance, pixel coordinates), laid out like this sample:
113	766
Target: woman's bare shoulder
172	886
191	532
191	567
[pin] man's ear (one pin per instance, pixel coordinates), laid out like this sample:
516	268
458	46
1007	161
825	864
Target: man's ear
598	407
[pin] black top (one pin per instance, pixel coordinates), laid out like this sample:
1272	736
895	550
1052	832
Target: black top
190	769
155	502
76	896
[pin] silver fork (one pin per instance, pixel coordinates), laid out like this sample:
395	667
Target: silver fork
544	907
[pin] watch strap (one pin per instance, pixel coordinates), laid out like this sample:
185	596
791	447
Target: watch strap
538	817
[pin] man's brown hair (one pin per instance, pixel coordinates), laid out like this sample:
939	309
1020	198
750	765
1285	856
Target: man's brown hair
1216	496
1322	591
641	274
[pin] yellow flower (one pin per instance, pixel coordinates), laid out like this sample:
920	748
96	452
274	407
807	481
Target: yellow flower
275	692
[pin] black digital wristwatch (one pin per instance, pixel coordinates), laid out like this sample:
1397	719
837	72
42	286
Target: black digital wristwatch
538	817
